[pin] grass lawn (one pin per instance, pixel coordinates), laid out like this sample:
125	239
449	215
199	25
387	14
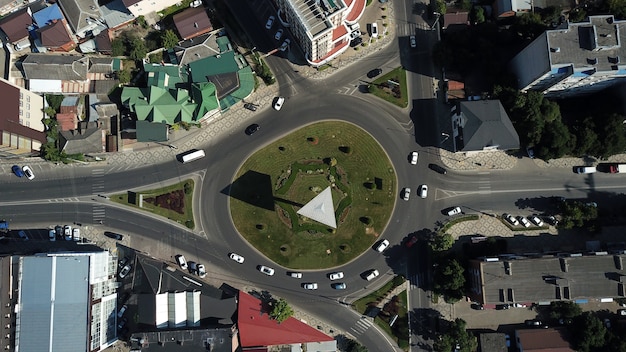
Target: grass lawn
279	179
382	89
173	202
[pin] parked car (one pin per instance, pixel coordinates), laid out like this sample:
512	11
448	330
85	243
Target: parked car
355	34
356	41
279	103
607	323
250	130
120	313
270	22
17	171
122	323
310	286
266	270
115	236
374	30
411	241
533	322
372	275
621	312
285	44
123	262
67	232
477	306
531	152
250	106
23	235
535	220
382	246
339	286
375	72
58	230
423	191
182	262
236	257
76	234
503	306
413	158
28	172
201	271
52	235
295	274
511	219
585	169
125	270
437	168
407	193
413	41
336	275
507	340
278	34
524	221
454	211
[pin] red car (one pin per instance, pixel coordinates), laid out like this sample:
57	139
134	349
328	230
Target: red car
411	242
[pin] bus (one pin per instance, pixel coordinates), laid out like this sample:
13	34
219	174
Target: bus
192	155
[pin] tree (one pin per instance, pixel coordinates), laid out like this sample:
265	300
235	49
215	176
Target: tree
124	76
450	280
575	214
441	242
280	310
617	8
117	47
138	49
440	7
464	4
477	15
169	39
456	335
564	309
577	15
587	142
353	346
556	141
614	136
528	25
589	332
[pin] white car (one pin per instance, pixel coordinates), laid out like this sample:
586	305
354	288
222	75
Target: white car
423	191
310	286
28	172
201	270
374	29
413	41
511	219
336	276
76	234
296	275
407	193
182	261
372	275
125	271
524	221
454	211
270	22
52	235
279	103
236	257
535	220
382	246
355	34
67	232
285	44
266	270
278	34
414	157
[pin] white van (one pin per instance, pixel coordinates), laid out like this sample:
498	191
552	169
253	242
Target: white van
192	155
585	169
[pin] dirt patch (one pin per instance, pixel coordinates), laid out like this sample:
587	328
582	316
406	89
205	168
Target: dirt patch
391	89
174	201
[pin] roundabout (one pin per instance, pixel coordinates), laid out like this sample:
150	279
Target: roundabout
271	189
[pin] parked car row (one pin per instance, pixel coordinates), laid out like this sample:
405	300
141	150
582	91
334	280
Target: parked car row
191	267
279	33
516	221
23	171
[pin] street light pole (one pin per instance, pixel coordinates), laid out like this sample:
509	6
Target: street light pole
445	135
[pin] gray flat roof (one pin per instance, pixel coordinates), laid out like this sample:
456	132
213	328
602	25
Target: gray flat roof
593	44
53	304
553	278
313	15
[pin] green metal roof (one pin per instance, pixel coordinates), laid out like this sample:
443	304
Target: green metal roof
223	44
213	65
246	86
164	75
151	132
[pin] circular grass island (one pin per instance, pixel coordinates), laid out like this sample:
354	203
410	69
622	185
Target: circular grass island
278	180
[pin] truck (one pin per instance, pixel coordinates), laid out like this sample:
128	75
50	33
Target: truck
4	226
617	168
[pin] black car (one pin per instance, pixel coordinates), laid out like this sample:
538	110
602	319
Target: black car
356	41
437	168
113	235
375	72
503	306
250	130
250	106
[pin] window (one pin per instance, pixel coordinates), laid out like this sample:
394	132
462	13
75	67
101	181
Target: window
21	112
28	115
28	98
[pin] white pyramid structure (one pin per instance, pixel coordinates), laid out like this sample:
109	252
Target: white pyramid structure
321	209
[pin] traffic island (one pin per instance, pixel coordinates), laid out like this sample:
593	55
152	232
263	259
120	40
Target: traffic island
310	190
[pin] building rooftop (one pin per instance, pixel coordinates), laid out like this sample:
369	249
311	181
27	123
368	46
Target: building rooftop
313	13
192	22
486	124
55	67
544	340
594	45
16	25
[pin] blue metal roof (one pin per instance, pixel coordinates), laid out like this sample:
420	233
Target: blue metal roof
46	16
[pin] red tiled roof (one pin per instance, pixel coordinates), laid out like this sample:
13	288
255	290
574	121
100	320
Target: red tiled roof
357	10
545	340
257	329
15	25
54	35
67	122
192	22
339	32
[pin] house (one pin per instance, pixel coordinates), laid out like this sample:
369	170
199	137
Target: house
85	139
55	37
320	28
493	342
256	329
70	289
16	25
103	43
579	59
509	8
527	279
84	16
115	14
67	121
144	7
192	22
481	126
21	123
543	340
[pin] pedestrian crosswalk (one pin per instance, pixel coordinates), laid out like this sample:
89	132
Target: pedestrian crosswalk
361	326
97	187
